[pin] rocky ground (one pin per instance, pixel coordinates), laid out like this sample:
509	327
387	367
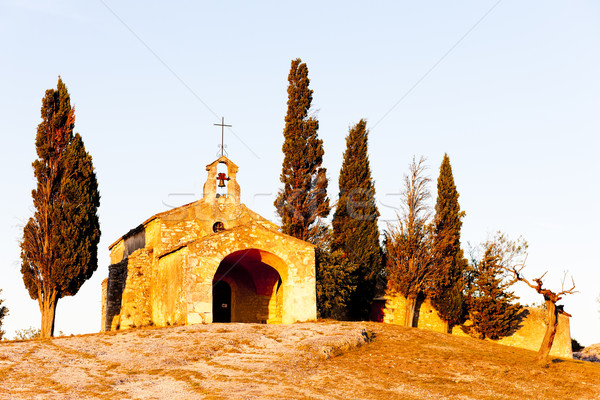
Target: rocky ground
590	353
323	360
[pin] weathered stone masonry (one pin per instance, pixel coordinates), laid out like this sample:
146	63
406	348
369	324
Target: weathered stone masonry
164	271
529	335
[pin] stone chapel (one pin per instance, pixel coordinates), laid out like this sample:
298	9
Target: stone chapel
213	260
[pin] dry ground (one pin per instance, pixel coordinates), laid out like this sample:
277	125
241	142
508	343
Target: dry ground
323	360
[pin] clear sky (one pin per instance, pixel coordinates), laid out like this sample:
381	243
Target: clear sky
509	89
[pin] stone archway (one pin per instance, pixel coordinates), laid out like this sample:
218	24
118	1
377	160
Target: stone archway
256	287
274	271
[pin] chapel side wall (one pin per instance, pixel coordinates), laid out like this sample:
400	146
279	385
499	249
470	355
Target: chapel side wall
117	251
114	286
528	336
153	235
115	283
167	293
136	308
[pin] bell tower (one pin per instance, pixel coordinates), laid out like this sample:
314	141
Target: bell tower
225	180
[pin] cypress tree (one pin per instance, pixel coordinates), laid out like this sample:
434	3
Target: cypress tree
355	231
60	242
492	311
3	313
447	283
303	199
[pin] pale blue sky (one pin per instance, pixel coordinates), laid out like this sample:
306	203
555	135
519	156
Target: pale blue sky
514	103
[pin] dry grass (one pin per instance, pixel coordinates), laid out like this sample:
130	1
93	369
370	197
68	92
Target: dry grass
321	360
409	363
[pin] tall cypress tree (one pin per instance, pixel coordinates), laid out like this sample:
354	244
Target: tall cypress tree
303	199
355	231
60	242
447	283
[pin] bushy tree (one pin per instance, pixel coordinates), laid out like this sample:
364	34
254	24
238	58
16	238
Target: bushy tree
576	346
355	231
303	199
447	280
409	245
59	245
3	313
335	280
491	305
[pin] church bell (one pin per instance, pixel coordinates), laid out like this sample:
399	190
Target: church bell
222	178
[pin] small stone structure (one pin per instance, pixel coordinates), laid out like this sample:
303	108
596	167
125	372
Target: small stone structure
529	335
213	260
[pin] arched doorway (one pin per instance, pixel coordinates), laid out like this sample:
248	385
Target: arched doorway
221	302
256	287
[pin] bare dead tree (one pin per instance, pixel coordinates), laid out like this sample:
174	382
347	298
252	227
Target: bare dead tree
552	309
410	244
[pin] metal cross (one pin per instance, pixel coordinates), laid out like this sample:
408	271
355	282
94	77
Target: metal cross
222	125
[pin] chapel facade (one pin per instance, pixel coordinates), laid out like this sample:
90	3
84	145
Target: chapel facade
213	260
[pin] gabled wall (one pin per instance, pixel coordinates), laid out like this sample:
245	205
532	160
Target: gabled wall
293	259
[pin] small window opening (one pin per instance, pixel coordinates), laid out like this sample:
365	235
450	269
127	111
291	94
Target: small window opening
218	227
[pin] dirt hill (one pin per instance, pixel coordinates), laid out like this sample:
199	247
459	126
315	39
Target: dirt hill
302	361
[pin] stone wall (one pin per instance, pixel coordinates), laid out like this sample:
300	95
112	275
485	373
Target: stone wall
116	252
115	283
247	306
167	294
529	335
276	305
135	308
426	317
